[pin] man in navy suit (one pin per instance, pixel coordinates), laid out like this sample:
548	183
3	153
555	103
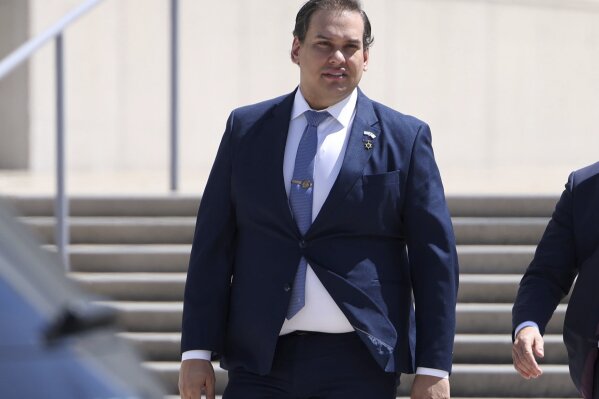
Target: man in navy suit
323	309
569	247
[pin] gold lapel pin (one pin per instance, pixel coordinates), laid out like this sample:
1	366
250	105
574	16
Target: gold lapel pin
368	144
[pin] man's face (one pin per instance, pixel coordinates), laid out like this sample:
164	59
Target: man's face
331	58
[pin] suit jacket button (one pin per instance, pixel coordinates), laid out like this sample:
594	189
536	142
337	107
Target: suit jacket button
287	287
303	244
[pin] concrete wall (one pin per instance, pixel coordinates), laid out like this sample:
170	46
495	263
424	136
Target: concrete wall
14	89
510	88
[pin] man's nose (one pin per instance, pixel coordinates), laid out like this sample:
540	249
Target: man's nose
337	57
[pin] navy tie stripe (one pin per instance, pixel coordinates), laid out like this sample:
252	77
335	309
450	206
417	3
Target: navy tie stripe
300	199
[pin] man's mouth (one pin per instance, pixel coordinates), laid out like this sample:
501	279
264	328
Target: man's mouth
335	75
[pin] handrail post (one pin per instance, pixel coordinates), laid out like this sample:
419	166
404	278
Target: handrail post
62	204
174	103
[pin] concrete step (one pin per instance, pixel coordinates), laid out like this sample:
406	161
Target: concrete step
467	380
172	258
502	205
468	349
495	259
127	205
118	230
472	318
180	229
499	231
489	318
187	205
490	288
147	316
474	288
152	258
156	346
133	286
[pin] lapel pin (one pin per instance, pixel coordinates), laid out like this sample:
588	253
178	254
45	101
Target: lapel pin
368	137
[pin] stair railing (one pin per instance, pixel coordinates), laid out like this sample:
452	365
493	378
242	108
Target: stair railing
24	52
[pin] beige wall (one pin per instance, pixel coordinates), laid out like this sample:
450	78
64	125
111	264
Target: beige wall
510	88
14	94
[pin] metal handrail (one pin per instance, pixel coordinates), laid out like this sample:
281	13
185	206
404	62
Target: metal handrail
11	62
24	52
174	94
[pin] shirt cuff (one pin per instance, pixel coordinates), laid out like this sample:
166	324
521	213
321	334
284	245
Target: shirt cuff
196	354
433	372
525	324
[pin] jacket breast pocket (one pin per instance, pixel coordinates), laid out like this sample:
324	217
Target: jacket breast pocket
375	202
381	179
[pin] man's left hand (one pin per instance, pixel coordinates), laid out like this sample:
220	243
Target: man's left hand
429	387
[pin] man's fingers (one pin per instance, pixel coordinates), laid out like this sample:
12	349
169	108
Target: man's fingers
538	347
529	363
210	388
520	364
526	346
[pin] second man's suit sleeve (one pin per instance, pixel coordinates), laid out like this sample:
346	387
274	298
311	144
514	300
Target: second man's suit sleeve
552	271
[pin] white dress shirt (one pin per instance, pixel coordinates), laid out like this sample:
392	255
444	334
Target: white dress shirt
320	312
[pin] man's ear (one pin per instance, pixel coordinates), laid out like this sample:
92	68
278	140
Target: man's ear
295	48
366	58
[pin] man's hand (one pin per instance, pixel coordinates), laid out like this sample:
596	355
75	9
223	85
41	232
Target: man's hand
194	376
527	345
429	387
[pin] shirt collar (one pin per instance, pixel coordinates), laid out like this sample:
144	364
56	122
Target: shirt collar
341	111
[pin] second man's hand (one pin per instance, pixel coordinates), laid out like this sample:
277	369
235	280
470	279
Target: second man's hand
527	347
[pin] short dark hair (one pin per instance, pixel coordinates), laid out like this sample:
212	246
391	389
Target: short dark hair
302	20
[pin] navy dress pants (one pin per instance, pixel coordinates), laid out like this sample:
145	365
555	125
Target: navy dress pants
316	366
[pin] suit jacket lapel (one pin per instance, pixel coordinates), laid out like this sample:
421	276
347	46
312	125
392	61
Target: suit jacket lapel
356	156
273	136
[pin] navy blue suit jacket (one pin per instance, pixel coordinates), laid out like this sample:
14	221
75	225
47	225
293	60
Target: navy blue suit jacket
386	200
569	247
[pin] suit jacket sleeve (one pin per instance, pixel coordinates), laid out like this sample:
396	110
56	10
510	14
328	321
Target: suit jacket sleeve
551	273
432	257
208	282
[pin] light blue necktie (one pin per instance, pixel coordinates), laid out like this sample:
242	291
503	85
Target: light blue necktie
300	198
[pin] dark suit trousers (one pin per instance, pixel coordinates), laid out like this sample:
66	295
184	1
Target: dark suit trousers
316	366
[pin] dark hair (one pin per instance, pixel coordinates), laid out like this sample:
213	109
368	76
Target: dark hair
302	20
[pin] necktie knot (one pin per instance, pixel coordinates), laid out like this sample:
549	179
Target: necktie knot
315	118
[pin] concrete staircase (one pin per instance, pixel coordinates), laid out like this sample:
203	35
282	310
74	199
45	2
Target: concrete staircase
134	252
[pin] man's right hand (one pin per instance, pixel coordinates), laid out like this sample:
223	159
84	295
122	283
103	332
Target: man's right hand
196	376
528	344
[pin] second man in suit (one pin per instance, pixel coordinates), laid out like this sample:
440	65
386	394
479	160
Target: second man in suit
322	223
569	248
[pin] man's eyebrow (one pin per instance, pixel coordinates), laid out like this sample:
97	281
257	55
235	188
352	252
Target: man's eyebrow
320	36
324	37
